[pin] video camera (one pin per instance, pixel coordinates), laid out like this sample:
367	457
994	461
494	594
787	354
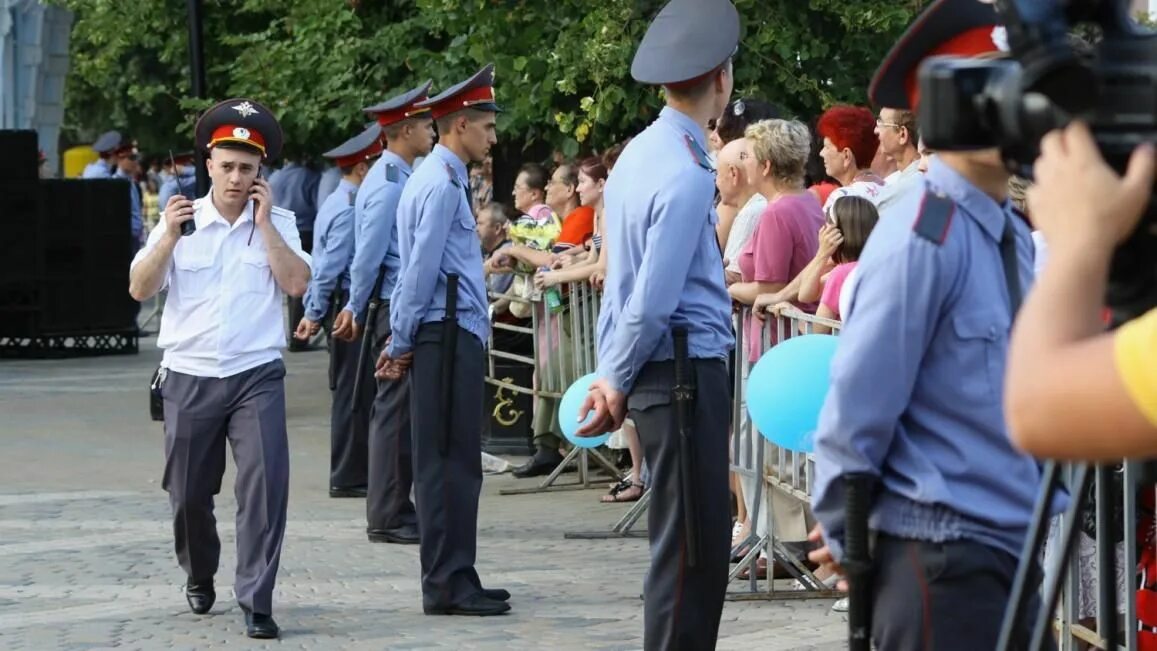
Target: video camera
1012	103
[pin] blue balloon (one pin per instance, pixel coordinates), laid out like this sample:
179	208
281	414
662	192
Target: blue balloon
568	411
786	390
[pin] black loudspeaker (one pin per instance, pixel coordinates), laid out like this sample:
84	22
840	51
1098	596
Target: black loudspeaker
21	159
509	414
86	249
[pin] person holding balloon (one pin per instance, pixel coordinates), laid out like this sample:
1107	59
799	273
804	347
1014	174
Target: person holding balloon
914	403
665	330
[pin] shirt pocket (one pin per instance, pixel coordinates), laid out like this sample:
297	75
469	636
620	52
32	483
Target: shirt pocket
194	274
980	347
254	274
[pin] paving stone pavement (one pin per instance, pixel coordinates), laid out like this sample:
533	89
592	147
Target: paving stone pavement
86	557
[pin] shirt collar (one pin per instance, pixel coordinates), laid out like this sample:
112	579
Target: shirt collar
346	186
208	213
982	208
451	159
393	159
684	122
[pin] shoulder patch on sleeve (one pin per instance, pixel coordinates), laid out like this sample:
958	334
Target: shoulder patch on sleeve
698	154
934	218
392	173
452	175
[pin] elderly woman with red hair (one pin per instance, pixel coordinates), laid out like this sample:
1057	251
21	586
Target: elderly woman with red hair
850	144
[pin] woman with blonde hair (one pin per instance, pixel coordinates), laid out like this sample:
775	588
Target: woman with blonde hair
784	242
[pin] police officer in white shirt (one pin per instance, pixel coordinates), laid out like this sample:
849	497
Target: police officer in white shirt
222	332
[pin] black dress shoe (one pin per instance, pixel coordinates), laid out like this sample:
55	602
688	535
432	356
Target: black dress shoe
200	596
351	491
541	464
260	627
407	535
497	594
476	606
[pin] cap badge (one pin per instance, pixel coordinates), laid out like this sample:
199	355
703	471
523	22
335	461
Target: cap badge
1000	38
241	132
245	109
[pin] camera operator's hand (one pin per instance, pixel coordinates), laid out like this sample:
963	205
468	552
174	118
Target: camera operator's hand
1078	200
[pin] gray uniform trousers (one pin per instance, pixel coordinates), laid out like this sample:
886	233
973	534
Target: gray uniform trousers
248	409
949	595
391	466
447	487
348	432
682	605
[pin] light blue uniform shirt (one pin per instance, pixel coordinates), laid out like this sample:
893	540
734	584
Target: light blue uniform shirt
333	248
135	221
436	237
329	181
917	380
664	267
295	188
376	238
188	179
98	169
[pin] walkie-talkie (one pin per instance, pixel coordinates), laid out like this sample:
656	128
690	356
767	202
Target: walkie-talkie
187	227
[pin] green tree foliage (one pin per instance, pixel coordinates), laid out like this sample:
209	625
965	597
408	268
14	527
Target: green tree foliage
562	66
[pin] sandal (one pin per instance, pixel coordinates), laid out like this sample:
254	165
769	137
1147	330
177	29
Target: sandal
627	490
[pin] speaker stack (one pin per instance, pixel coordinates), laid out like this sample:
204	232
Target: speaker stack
65	249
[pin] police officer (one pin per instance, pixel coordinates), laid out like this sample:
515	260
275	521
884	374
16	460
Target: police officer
665	273
915	397
328	289
222	333
437	241
105	146
409	133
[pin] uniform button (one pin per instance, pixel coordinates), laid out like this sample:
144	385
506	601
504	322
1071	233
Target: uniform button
992	331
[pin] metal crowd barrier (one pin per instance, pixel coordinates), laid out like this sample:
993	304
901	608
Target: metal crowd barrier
780	476
564	350
1071	629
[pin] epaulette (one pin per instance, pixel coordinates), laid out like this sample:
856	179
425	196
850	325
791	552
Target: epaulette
934	218
453	176
391	173
278	211
698	154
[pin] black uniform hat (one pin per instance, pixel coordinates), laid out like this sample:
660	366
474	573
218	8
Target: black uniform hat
688	40
400	107
364	146
963	28
240	121
477	92
108	142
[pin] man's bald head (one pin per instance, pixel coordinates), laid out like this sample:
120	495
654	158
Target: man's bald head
730	177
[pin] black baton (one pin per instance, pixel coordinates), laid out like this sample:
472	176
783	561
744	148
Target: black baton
684	397
857	561
334	298
449	350
368	334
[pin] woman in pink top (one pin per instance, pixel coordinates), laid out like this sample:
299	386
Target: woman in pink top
785	239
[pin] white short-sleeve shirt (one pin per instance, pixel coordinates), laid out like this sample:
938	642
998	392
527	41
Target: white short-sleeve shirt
223	314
